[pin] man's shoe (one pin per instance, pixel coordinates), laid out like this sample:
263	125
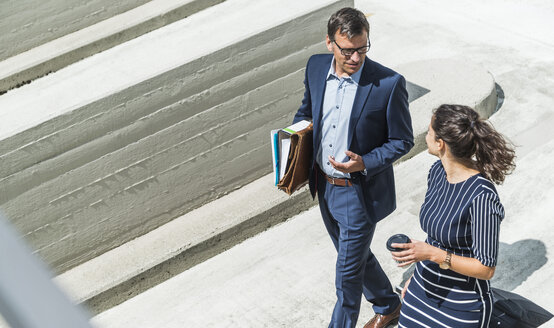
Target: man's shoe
382	321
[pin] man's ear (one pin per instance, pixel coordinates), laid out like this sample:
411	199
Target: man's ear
329	43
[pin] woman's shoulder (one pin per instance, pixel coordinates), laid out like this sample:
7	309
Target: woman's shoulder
485	186
433	177
436	168
486	199
485	195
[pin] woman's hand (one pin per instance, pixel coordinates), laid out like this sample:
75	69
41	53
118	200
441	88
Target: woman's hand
413	252
406	287
419	251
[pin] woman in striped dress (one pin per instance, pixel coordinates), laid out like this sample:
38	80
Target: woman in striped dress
461	215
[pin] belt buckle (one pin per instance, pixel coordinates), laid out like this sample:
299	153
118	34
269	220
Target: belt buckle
333	181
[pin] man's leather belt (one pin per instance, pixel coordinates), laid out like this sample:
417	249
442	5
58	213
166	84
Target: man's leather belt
337	181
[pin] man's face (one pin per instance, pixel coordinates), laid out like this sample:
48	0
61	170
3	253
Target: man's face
347	65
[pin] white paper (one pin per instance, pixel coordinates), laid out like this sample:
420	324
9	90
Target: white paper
275	155
284	154
298	126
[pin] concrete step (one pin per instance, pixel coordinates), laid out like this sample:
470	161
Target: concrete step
45	37
146	261
28	24
124	141
150	259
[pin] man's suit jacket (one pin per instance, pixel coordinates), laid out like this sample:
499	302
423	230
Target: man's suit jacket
380	129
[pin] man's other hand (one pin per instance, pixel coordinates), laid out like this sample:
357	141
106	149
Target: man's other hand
355	163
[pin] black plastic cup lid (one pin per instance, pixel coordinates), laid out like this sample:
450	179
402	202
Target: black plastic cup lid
398	239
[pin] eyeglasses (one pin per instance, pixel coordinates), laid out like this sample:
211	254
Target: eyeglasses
350	51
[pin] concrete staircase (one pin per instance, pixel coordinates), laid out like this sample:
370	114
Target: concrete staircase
117	144
131	165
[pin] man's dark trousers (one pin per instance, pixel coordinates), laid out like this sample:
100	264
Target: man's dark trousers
380	131
351	232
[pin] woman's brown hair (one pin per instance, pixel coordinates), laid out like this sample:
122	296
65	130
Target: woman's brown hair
471	138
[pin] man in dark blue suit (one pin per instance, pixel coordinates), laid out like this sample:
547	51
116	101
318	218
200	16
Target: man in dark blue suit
362	124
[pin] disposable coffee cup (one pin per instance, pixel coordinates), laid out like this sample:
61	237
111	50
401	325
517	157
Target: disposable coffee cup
397	239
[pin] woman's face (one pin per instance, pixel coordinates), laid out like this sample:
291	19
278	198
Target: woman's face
432	143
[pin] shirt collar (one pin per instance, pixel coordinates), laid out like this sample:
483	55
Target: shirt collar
355	77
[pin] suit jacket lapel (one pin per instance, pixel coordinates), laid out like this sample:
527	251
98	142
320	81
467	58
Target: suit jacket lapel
364	88
318	93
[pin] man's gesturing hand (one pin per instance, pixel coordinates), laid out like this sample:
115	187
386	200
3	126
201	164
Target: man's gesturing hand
353	165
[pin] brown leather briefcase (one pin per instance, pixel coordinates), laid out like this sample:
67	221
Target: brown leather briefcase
299	161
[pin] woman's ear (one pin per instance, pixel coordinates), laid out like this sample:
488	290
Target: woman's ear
441	146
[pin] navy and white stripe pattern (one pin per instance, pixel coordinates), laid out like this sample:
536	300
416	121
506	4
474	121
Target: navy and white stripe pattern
463	218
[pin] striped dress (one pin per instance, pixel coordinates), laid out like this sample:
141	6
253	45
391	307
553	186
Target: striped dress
463	218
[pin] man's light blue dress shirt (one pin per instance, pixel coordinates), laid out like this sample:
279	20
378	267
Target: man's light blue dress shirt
337	107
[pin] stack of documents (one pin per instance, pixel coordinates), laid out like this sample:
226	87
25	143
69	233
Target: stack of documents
280	146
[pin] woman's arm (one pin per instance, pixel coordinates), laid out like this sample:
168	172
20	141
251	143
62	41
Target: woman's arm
419	251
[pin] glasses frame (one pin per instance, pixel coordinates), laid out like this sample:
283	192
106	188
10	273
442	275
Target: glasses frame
353	50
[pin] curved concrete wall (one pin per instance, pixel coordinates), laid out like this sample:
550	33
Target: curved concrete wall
91	178
445	78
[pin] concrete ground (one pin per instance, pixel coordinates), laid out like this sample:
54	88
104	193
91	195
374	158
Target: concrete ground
284	277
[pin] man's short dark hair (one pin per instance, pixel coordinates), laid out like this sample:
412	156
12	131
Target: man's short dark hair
349	21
